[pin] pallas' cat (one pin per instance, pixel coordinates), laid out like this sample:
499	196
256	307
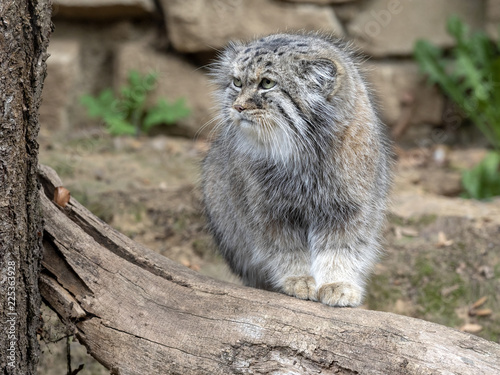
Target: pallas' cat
296	181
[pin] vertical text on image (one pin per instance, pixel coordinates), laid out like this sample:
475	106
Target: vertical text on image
11	314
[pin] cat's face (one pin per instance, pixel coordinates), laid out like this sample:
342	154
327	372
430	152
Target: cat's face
275	89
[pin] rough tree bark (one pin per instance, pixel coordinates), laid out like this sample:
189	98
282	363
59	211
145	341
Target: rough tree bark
137	312
25	27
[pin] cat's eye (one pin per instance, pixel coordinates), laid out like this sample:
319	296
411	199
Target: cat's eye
236	82
267	83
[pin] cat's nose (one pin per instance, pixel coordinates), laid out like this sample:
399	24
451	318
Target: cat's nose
239	107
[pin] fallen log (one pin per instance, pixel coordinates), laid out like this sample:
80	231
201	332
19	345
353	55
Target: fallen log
138	312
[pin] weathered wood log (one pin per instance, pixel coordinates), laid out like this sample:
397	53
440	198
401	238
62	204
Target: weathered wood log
138	312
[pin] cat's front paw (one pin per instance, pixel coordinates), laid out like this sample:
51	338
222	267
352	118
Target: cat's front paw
340	294
303	287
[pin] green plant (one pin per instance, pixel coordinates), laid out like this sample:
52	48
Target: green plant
483	181
470	76
127	113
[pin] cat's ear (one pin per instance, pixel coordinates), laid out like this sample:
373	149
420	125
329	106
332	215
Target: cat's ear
321	73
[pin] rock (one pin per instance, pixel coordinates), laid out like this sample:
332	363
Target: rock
493	18
58	97
201	25
321	2
346	12
441	182
391	27
397	84
102	9
176	79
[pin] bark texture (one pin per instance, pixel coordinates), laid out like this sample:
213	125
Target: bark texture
25	27
137	312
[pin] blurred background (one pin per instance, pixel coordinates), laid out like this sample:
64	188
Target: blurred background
125	121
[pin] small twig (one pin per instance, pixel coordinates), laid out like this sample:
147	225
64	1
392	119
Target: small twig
56	340
80	368
68	355
68	358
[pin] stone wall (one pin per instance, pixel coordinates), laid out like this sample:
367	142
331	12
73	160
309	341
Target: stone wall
96	42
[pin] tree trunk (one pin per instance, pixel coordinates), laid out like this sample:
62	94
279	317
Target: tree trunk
137	312
25	26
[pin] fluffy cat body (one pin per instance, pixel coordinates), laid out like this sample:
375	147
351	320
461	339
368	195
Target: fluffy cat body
295	183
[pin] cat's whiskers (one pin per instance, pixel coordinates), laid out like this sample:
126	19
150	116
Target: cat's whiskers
273	144
293	139
280	145
265	136
218	123
299	137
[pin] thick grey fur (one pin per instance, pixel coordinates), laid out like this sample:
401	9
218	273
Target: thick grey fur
296	181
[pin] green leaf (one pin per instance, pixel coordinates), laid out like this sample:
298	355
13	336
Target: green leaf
119	126
483	181
457	28
127	113
471	184
99	106
134	78
146	82
149	82
165	113
471	78
430	59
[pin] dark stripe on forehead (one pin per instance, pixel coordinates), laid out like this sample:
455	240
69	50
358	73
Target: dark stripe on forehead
276	42
272	44
288	119
296	105
266	72
260	52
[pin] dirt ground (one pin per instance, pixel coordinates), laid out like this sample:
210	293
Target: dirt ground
442	252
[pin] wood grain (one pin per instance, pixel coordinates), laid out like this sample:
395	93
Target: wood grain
138	312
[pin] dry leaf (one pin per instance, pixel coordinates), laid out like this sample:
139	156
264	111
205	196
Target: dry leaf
61	196
408	232
471	328
484	312
479	302
443	241
188	264
461	268
397	232
447	291
195	267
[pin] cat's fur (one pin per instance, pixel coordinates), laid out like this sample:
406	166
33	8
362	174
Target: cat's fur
295	183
